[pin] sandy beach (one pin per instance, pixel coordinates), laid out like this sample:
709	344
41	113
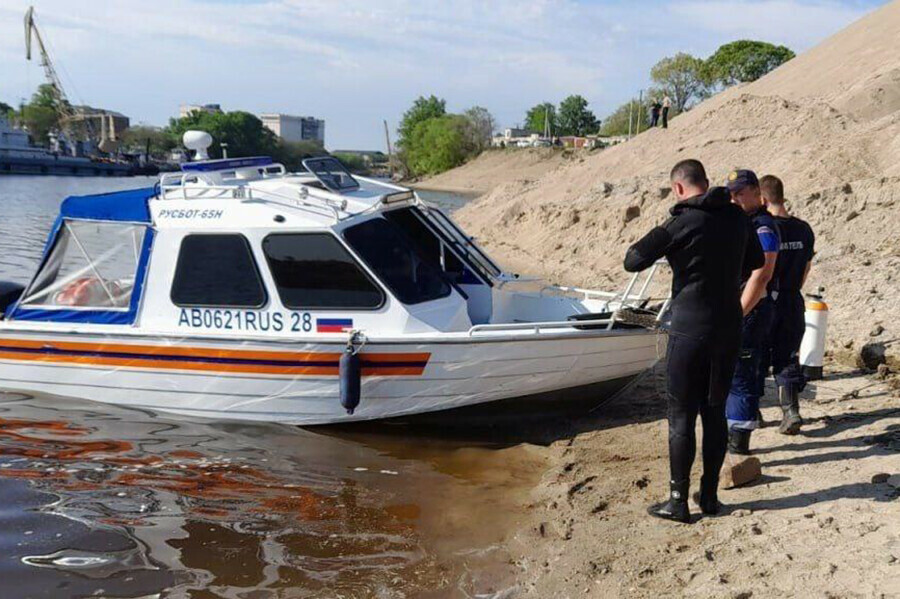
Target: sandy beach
824	520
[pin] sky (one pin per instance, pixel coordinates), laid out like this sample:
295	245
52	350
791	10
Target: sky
356	63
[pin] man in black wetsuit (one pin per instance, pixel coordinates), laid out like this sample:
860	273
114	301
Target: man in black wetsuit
708	241
789	324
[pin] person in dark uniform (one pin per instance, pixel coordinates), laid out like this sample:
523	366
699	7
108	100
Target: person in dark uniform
708	242
794	260
757	303
655	107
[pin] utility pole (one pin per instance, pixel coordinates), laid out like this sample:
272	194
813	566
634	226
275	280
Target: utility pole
387	137
640	112
630	116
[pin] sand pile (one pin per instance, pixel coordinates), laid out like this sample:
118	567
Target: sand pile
481	175
827	123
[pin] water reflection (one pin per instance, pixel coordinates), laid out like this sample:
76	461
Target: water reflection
143	504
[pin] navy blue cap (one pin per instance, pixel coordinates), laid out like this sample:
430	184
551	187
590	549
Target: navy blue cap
741	178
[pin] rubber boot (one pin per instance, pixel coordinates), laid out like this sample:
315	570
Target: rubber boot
708	497
739	441
790	411
676	508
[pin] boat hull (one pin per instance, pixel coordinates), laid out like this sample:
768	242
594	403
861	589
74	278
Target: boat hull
297	383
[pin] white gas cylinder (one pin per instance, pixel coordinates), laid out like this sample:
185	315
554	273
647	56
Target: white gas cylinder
812	349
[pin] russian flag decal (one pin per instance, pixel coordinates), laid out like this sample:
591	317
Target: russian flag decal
333	325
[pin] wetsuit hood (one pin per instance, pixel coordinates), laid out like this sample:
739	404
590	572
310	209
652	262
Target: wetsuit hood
714	199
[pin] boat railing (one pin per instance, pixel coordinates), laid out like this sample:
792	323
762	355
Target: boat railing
627	297
538	327
190	186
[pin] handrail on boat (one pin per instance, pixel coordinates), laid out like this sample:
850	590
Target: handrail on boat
537	327
326	206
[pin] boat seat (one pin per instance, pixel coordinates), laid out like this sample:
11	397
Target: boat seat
9	293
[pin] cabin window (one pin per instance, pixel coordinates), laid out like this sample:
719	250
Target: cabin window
313	270
92	265
433	246
217	270
394	259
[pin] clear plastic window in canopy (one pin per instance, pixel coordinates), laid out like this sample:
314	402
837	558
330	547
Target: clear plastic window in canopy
92	265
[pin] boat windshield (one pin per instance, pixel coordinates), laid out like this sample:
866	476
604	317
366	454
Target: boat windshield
331	173
395	260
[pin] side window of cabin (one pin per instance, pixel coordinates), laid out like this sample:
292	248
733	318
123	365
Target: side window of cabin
92	265
313	270
217	270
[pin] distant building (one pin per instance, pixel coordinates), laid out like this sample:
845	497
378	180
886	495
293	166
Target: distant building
575	141
517	138
187	109
295	128
516	132
120	121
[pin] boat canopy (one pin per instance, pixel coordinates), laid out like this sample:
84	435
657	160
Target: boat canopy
94	263
129	206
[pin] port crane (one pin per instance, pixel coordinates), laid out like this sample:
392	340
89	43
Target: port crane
67	114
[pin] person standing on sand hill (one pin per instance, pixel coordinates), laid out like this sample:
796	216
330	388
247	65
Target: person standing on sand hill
757	302
791	270
666	104
708	242
654	112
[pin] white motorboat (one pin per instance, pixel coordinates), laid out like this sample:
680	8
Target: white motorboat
235	289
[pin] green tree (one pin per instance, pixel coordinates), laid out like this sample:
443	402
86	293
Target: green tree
5	109
574	117
292	153
136	139
744	60
354	162
243	132
482	125
422	109
538	117
39	121
40	116
682	77
617	122
439	144
44	96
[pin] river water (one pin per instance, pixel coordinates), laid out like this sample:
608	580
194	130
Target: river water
102	501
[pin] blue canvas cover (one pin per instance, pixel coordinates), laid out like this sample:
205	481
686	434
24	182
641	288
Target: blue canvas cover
130	206
123	206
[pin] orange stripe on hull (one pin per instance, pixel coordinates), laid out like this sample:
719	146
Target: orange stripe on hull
204	352
165	358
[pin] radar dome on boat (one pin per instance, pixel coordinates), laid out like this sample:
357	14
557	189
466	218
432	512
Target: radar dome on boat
199	141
